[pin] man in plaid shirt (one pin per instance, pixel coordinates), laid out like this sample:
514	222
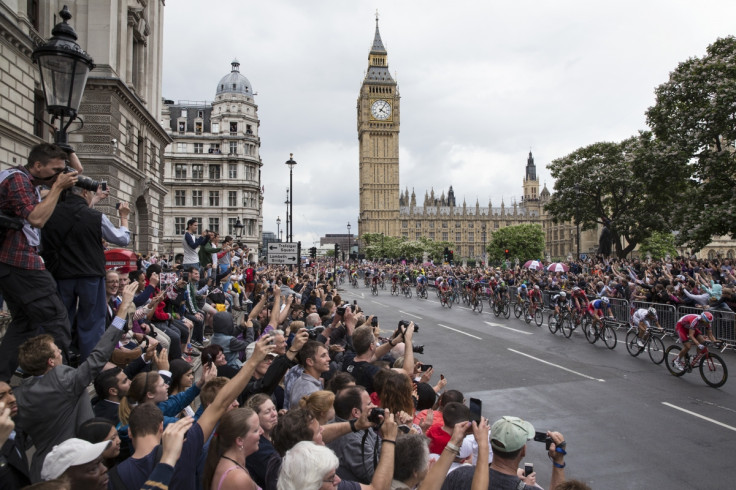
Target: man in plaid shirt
26	285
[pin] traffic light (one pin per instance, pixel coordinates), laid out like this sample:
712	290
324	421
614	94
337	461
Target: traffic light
446	255
313	252
451	256
507	253
337	250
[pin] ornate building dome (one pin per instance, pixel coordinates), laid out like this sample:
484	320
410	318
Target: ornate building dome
234	82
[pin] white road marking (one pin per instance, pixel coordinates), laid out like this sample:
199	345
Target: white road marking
700	416
376	302
407	313
459	331
508	328
557	366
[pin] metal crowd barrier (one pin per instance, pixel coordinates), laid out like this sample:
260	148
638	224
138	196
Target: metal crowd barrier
666	314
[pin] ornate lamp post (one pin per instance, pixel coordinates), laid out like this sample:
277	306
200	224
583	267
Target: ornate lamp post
483	227
290	163
64	67
287	202
238	229
278	226
349	248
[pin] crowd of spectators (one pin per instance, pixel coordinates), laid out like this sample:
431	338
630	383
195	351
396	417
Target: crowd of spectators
213	373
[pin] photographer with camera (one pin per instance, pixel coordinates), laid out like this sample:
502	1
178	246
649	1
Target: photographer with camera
315	360
25	284
72	250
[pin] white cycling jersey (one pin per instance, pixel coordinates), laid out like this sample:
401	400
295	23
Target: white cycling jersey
639	316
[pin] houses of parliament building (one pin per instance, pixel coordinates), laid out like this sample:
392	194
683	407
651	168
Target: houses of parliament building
384	208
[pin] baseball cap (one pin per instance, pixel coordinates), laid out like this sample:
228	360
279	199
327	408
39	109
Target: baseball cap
72	452
509	434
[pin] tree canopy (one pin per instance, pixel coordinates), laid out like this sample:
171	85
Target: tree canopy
631	187
695	116
522	241
658	246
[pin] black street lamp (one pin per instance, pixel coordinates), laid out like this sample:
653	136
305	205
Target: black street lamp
64	67
483	227
349	248
577	218
278	226
238	229
287	202
290	163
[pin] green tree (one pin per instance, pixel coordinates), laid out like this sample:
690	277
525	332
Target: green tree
630	186
658	245
695	114
523	242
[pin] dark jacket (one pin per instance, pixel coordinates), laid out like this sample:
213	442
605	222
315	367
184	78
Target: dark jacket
14	472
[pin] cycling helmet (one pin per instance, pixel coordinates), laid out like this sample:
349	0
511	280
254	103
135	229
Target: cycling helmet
563	294
652	312
605	299
523	286
536	286
575	289
706	317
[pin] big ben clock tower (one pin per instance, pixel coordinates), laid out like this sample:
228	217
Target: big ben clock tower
378	141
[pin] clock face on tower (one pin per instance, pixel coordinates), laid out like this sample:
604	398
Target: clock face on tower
381	110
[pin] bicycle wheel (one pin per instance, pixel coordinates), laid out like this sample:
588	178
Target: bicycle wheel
506	311
527	316
609	336
449	301
655	347
518	310
408	293
713	370
566	326
497	309
631	345
552	323
538	317
479	303
669	356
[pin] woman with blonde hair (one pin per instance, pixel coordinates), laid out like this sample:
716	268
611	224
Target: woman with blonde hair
320	404
236	437
268	417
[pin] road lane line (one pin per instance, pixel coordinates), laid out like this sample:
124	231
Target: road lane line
459	331
557	366
407	313
508	328
381	304
700	416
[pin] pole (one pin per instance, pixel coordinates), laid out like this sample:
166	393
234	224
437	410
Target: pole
291	204
299	256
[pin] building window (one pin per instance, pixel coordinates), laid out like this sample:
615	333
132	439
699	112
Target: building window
495	225
179	225
200	114
215	148
431	224
250	173
471	225
214	224
471	236
444	236
405	234
232	199
419	224
231	226
180	171
214	199
417	236
197	198
198	127
457	224
444	224
233	147
471	251
251	227
182	127
431	235
405	224
458	237
215	128
214	172
232	171
233	128
180	198
181	147
199	222
197	171
198	147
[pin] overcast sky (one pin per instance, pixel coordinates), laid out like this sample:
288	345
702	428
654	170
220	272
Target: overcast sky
481	84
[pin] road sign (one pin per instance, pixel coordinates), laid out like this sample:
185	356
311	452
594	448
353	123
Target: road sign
282	248
276	258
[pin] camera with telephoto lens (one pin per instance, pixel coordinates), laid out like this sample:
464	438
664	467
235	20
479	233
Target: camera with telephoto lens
403	324
373	416
84	182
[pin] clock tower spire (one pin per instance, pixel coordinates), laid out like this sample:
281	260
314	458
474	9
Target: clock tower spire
378	142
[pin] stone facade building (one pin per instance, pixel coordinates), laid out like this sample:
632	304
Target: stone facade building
385	209
121	140
213	166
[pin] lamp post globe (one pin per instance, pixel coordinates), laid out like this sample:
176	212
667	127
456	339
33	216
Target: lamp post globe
349	247
64	67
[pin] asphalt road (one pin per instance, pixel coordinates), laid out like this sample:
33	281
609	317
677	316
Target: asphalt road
628	422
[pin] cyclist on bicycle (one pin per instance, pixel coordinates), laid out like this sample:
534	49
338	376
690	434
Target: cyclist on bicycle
560	300
475	290
642	318
375	279
521	294
596	309
535	300
579	298
688	332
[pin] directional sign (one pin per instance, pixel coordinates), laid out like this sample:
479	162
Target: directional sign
274	258
282	248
